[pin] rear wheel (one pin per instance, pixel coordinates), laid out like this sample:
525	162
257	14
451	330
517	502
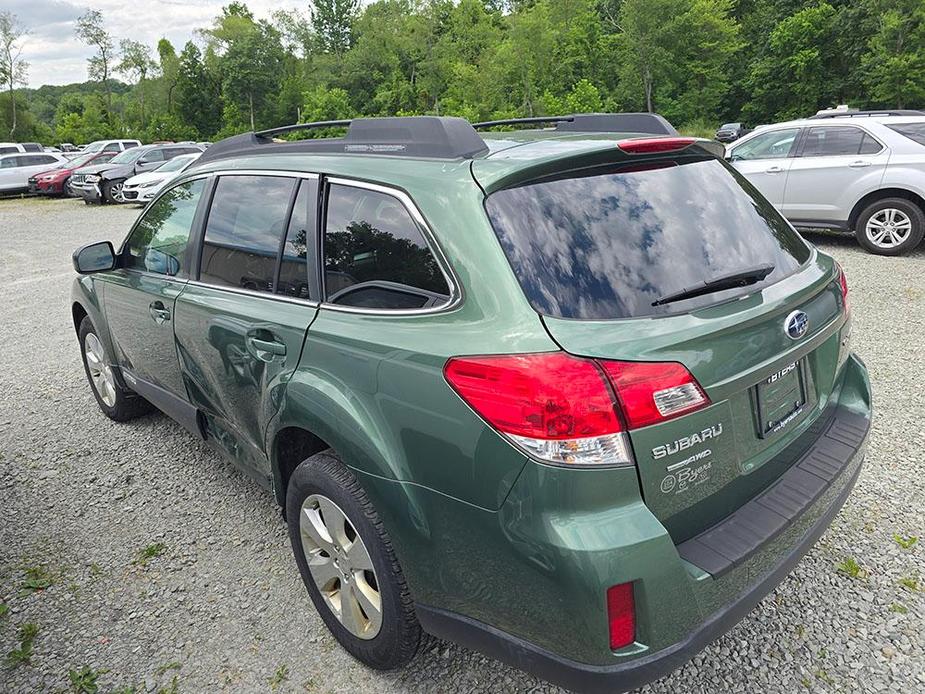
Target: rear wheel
116	402
347	563
892	226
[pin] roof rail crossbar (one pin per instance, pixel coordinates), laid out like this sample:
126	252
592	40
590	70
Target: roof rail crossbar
304	126
642	123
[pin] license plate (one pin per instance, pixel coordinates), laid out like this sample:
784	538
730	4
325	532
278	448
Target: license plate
781	398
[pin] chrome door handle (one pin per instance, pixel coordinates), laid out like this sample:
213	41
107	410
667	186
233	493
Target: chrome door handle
859	164
159	312
774	170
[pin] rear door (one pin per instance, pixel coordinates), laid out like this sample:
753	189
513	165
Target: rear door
834	167
240	325
598	253
765	160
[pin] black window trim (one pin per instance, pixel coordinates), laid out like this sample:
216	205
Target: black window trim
804	136
455	293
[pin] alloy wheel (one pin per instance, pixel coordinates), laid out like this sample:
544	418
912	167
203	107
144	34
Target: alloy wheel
340	566
104	382
116	190
888	228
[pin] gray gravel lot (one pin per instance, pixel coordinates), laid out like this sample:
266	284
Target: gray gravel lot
219	604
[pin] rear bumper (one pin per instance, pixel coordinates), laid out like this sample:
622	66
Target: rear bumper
622	677
539	604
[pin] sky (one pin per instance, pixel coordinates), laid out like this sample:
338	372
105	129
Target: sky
56	56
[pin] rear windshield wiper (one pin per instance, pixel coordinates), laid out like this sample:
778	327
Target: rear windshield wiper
742	278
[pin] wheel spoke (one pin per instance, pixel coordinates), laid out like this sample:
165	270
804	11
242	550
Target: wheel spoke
335	522
358	556
350	615
323	571
878	237
369	598
314	533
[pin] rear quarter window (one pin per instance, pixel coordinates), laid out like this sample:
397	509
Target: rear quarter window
608	243
914	131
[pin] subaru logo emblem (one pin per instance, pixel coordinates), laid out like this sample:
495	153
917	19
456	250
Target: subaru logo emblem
796	324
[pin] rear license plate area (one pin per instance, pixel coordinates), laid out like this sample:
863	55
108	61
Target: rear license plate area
780	399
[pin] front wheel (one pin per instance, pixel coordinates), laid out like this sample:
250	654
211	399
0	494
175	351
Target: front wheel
116	402
892	226
112	191
348	565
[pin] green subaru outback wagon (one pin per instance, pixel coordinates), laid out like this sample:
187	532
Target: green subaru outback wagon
572	394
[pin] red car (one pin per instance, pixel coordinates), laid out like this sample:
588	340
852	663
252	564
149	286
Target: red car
55	181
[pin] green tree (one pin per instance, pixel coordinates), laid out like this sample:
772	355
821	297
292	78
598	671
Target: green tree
332	24
136	63
894	66
91	31
198	100
13	69
169	69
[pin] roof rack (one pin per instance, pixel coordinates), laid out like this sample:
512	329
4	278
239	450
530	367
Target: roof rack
433	137
843	113
644	123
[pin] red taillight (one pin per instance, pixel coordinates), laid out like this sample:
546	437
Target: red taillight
843	283
653	145
621	615
652	392
561	408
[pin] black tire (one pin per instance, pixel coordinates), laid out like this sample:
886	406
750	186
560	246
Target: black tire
910	209
128	405
399	636
108	194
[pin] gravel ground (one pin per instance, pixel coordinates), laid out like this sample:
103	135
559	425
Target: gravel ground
218	604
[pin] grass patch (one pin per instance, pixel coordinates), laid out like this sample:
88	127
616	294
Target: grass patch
37	578
898	608
83	681
23	654
175	665
280	676
172	688
850	568
152	551
905	542
4	610
910	583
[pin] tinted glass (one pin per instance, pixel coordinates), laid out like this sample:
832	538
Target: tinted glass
375	255
177	163
609	244
825	142
129	156
772	145
245	228
158	242
914	131
8	150
111	147
153	155
294	269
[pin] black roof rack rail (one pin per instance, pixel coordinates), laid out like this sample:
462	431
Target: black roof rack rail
867	114
643	123
433	137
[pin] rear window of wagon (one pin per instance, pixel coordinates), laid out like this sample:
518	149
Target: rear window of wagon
606	244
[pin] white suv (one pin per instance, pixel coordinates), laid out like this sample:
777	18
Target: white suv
861	173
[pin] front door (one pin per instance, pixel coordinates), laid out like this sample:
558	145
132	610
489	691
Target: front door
139	296
835	166
765	160
241	326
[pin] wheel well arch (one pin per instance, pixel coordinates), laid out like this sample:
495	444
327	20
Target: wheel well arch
291	446
880	194
78	313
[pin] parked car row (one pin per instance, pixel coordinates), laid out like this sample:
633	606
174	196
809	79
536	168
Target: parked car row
98	172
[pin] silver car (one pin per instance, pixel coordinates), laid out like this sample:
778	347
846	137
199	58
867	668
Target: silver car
857	173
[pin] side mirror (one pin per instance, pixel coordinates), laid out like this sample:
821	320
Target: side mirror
94	257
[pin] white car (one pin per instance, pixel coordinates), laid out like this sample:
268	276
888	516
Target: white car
143	187
860	172
15	169
110	145
15	147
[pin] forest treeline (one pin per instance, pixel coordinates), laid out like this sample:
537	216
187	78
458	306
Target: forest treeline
697	62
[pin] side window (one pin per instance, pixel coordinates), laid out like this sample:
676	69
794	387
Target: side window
158	242
771	145
837	141
112	147
375	255
294	268
244	232
8	150
8	163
